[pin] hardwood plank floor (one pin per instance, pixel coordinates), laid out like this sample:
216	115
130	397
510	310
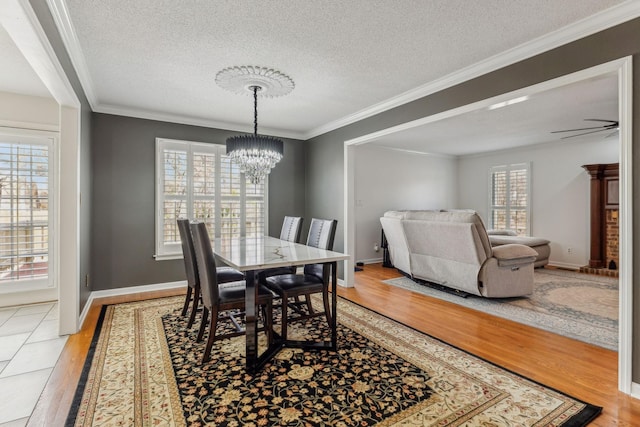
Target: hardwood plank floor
579	369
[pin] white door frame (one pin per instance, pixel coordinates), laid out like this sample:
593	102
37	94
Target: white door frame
623	68
22	25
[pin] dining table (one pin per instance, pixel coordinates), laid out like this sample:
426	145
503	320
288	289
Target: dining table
254	254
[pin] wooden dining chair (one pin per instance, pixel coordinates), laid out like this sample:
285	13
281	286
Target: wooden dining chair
223	274
291	228
217	299
315	278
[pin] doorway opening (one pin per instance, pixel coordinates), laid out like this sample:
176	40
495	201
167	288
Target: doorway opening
622	69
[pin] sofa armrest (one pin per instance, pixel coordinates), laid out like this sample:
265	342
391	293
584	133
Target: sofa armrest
514	254
501	233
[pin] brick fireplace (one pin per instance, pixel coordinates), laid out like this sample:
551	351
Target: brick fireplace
604	219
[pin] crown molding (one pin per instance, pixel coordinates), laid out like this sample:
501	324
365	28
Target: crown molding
601	21
62	18
186	120
60	13
608	18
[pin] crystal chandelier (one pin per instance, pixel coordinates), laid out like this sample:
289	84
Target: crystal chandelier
255	154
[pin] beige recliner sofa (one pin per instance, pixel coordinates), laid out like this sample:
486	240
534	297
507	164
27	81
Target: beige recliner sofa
505	237
452	248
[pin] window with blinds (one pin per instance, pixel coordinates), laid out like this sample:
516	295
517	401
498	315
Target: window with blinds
26	214
198	181
509	198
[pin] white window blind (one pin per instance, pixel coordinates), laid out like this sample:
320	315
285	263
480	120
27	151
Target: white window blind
509	190
26	212
198	181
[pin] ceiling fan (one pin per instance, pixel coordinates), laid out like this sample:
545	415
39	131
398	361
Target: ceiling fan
609	125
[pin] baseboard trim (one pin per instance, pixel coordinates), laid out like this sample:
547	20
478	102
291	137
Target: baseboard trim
127	291
135	290
371	261
635	390
138	289
566	265
28	297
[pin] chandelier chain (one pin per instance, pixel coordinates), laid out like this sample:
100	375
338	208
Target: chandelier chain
255	110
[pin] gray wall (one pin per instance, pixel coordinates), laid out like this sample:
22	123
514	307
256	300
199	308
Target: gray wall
560	190
123	161
46	20
325	153
397	180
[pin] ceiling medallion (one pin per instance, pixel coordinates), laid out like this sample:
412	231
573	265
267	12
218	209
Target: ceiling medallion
241	79
255	154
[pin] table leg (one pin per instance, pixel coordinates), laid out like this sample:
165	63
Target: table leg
334	306
251	326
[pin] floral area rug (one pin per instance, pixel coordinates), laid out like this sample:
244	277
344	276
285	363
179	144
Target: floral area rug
575	305
145	369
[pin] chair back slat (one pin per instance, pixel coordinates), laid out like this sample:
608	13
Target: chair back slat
206	264
291	228
188	254
322	232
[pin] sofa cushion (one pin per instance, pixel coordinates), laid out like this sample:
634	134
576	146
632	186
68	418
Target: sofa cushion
497	240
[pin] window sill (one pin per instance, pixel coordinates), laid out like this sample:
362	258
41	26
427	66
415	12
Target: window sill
166	257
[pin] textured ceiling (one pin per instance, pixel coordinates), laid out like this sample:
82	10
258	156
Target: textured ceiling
159	58
522	124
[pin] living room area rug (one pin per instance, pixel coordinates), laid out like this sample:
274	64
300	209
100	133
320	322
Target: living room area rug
576	305
144	369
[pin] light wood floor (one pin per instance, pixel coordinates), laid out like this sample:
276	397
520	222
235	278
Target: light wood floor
581	370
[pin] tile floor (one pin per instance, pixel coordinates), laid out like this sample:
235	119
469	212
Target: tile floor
29	349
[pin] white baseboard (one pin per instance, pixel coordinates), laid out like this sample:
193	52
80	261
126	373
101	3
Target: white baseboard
371	261
565	265
137	289
35	296
342	283
635	390
127	291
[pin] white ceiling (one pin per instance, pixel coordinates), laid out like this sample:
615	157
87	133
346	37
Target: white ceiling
349	59
159	58
520	124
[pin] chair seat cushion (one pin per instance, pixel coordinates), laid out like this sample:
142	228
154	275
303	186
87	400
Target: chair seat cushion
288	283
228	274
234	291
275	272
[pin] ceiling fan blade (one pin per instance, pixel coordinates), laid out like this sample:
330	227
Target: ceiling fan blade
585	133
574	130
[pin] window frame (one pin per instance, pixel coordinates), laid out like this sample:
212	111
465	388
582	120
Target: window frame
174	251
508	208
50	139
